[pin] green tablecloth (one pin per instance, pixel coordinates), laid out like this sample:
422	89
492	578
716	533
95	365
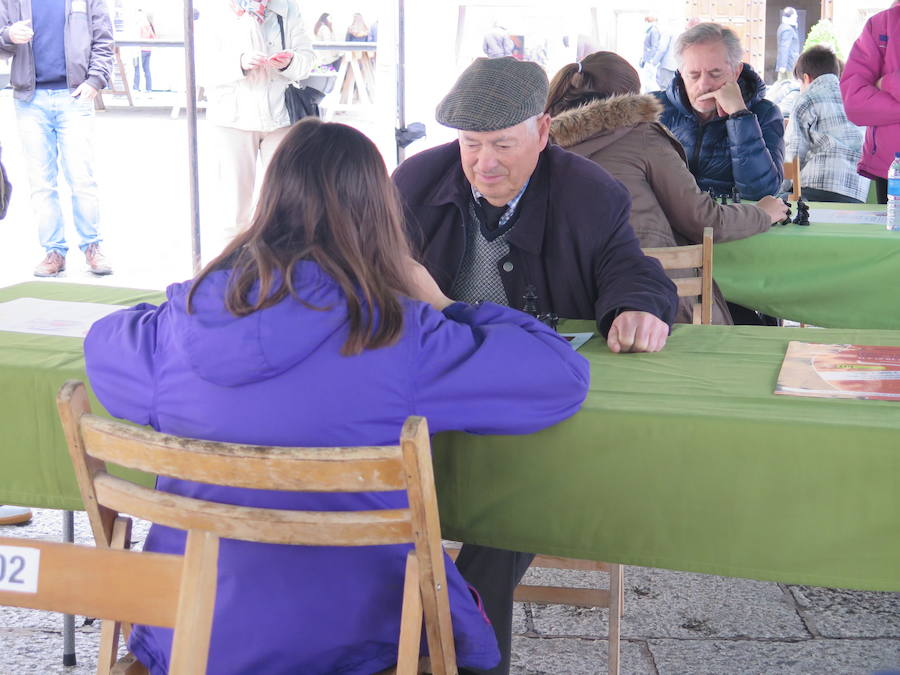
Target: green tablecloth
833	275
35	469
686	460
683	459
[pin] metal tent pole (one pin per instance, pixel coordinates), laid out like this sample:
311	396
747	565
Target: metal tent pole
68	619
401	75
191	113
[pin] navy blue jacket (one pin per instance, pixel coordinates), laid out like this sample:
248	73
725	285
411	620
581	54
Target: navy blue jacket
572	241
747	151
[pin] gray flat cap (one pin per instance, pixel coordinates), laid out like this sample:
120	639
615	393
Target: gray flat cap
494	94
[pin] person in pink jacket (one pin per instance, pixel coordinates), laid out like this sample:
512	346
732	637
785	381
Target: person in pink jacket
870	86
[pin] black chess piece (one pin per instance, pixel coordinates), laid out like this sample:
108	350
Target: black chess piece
549	319
788	217
735	195
530	298
802	213
723	199
712	194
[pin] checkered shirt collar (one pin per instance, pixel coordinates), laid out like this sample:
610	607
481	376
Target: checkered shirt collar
510	205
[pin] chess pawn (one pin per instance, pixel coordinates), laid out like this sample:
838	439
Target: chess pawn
787	218
550	319
802	213
530	301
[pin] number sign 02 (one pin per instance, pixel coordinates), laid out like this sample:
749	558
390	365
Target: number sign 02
19	568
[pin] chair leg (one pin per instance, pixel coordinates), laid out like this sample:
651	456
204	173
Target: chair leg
196	600
110	630
621	590
615	616
410	620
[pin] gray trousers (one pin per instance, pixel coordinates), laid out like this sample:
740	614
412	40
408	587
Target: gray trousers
494	573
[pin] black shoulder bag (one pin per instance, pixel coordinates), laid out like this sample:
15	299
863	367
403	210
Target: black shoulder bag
300	102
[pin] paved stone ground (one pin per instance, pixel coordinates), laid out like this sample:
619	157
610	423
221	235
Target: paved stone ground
674	623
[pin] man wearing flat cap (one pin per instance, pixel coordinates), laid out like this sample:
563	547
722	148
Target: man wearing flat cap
501	213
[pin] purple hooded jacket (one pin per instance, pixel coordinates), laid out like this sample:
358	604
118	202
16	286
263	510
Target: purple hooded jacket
276	377
875	54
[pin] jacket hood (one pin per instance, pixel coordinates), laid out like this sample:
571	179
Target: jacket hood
751	84
228	350
602	117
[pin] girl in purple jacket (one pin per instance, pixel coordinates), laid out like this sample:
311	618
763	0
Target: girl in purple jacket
316	328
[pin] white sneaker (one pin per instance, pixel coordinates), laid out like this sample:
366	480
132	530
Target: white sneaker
14	515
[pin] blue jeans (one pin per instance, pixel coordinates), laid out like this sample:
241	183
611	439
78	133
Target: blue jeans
56	131
145	63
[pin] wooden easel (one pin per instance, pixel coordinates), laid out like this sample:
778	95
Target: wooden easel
354	84
118	84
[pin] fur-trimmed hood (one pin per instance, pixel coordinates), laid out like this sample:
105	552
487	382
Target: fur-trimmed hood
617	113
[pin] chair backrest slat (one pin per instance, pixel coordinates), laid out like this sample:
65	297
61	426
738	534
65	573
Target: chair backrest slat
70	581
689	286
273	526
677	257
697	258
246	466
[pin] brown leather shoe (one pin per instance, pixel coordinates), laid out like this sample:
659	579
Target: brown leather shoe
51	266
96	260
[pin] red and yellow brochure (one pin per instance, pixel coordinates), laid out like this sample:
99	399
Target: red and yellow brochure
840	371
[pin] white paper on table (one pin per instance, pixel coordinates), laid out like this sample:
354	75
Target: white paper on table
52	317
577	339
848	217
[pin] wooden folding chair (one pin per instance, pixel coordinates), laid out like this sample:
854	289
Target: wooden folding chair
611	598
94	441
699	258
176	591
792	173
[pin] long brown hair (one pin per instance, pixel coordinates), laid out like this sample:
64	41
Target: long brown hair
600	75
326	198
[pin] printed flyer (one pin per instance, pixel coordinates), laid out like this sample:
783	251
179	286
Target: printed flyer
840	371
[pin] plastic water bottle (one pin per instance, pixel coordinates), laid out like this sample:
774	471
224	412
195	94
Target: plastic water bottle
893	190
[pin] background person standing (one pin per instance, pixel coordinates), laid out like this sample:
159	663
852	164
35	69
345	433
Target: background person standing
248	69
870	85
358	31
497	43
649	61
788	43
323	31
147	32
61	57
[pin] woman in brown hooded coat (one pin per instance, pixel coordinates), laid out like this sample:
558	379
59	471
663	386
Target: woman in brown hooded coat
598	113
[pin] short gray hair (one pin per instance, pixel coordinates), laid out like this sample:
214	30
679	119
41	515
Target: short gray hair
704	33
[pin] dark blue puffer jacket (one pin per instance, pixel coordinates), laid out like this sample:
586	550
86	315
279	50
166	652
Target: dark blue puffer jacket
747	151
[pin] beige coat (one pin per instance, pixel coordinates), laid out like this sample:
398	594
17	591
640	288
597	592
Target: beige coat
624	136
252	101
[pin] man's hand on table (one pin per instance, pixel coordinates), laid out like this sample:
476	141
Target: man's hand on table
637	332
776	209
